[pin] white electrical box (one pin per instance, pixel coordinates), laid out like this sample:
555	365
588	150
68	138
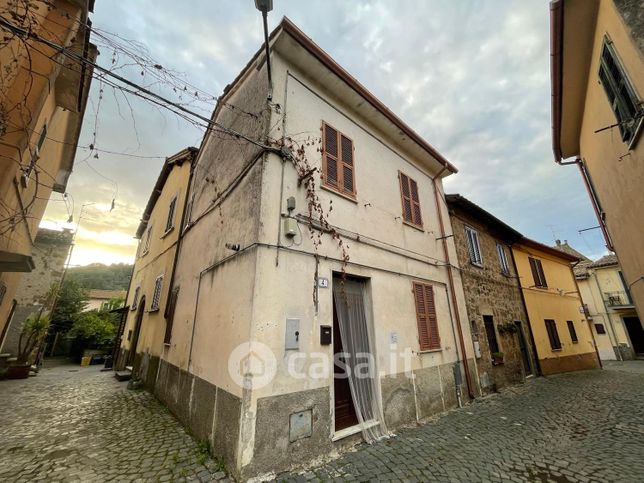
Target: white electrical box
292	340
477	349
290	227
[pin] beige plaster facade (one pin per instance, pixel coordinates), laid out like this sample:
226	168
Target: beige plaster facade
587	129
40	120
240	276
610	309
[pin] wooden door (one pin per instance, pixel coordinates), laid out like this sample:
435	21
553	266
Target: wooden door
345	412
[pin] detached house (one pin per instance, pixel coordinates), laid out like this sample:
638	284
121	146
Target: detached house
499	323
562	336
145	330
316	298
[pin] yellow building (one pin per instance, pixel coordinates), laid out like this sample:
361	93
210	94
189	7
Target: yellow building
597	56
562	336
42	101
608	304
146	332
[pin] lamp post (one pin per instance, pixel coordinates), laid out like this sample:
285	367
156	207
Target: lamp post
266	6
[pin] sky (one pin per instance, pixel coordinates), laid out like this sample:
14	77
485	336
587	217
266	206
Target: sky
471	76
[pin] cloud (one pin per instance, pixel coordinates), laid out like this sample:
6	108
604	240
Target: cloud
471	77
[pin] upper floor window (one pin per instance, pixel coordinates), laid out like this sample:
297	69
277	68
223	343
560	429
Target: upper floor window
537	273
428	336
573	331
620	92
473	246
503	259
169	224
148	236
135	299
338	161
35	156
410	200
156	295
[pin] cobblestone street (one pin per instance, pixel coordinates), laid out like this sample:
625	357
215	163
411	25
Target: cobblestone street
586	426
79	424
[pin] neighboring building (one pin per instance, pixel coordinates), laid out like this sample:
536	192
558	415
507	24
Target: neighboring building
259	284
597	57
146	331
40	121
562	336
50	252
100	299
616	326
499	323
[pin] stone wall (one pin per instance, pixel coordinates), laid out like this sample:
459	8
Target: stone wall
488	291
49	254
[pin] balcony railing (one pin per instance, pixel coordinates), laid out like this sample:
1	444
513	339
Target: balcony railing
617	299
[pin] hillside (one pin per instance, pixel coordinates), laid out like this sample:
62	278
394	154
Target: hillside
99	276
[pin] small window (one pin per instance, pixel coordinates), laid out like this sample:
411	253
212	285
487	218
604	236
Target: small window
156	296
473	246
573	331
600	329
169	316
492	341
337	161
620	92
553	334
35	155
135	299
169	224
410	200
148	236
428	336
503	259
537	273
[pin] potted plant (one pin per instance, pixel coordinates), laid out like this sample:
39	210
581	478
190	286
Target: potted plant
497	358
33	332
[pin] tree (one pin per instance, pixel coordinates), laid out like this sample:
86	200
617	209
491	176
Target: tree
72	299
93	329
33	332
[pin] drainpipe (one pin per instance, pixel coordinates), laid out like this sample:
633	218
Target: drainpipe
450	279
610	321
525	307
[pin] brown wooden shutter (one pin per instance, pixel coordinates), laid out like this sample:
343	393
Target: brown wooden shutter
346	145
169	316
535	272
406	198
428	336
542	276
413	191
330	167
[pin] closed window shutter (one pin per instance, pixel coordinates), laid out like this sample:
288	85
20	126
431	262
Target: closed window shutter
542	276
535	272
347	164
406	198
428	336
415	202
172	305
330	156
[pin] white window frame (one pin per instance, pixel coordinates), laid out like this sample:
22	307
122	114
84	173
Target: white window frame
156	294
172	213
135	299
474	246
148	236
503	258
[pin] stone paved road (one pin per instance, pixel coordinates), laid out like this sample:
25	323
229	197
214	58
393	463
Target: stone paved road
579	427
80	424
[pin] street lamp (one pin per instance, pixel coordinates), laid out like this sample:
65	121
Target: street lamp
266	6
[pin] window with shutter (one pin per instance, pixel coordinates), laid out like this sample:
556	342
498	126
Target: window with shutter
490	332
553	334
410	200
428	336
621	95
503	259
473	246
573	331
169	224
135	298
338	163
156	296
538	275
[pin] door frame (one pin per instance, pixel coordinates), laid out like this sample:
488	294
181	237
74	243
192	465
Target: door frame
138	323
